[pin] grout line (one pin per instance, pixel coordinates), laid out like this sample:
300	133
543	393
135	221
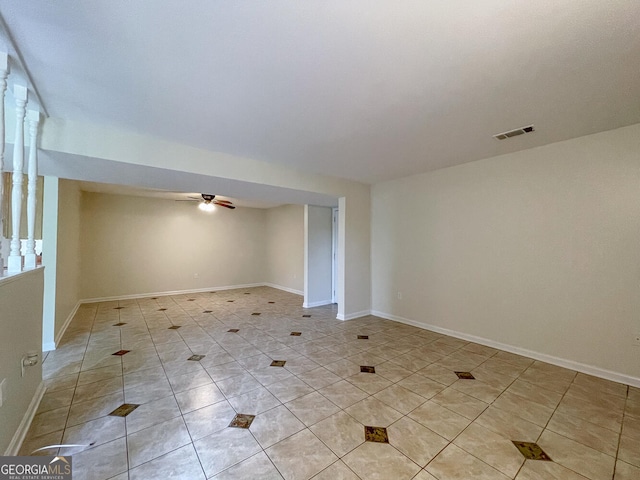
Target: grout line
124	398
173	394
451	442
624	414
66	426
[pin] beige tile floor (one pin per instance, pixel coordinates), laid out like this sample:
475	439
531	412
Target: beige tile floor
310	414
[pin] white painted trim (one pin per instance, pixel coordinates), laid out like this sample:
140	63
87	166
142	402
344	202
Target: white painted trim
48	346
23	428
280	287
305	267
175	292
63	329
50	197
334	254
543	357
352	316
316	304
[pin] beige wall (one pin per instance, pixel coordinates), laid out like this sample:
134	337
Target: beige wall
284	243
133	245
21	327
537	250
68	282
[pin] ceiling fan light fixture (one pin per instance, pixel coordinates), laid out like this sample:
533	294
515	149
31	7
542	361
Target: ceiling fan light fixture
207	207
208	202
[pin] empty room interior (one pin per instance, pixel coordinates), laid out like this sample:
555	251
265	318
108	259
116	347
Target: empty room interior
330	240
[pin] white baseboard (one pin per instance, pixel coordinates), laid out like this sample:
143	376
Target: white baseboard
23	428
543	357
316	304
47	347
280	287
352	316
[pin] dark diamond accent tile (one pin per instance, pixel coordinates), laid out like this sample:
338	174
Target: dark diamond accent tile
242	420
531	451
154	298
162	309
119	353
119	324
278	363
465	375
118	308
230	301
174	327
124	409
306	316
376	434
191	299
247	293
295	334
363	337
196	358
256	313
212	292
233	330
271	302
207	311
367	369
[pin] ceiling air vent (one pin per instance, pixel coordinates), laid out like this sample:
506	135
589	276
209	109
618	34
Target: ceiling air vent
514	133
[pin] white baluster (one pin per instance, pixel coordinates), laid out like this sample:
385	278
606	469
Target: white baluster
15	259
4	73
33	117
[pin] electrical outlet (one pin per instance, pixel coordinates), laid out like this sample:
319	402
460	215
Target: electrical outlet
636	339
399	295
3	387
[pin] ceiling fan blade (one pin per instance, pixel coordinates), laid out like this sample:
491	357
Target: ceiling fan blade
188	200
195	198
224	201
223	204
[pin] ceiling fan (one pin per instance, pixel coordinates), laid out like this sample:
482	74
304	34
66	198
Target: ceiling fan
207	202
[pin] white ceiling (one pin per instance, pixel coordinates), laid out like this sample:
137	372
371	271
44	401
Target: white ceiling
362	89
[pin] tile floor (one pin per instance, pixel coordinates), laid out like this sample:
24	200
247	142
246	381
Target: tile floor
307	418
